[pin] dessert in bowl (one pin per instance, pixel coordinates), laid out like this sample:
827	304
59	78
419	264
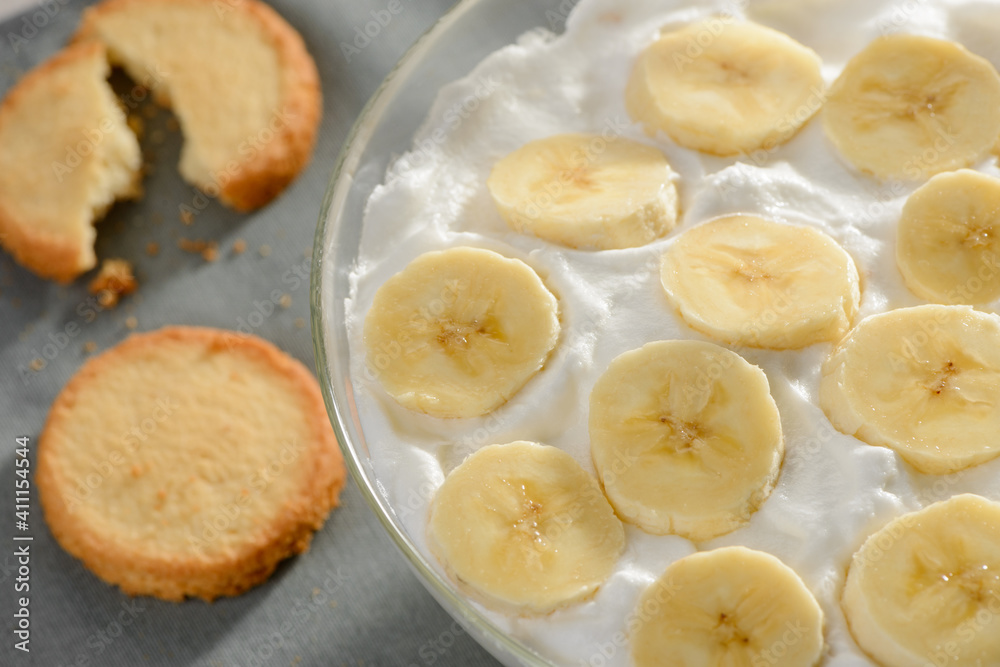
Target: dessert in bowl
832	488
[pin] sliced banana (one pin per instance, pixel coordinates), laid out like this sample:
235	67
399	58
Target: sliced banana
586	191
923	381
725	88
925	590
731	606
458	332
948	239
749	281
525	528
685	437
908	107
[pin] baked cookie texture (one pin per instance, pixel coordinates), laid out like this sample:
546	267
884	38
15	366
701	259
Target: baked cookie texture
66	154
239	79
188	462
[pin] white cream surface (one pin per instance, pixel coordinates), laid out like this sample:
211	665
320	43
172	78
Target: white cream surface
834	490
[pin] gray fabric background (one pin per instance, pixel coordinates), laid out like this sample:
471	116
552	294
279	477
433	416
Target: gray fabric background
351	600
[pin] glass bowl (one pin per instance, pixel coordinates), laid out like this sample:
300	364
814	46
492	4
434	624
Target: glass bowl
469	32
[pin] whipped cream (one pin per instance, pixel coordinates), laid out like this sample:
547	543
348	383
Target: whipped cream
833	490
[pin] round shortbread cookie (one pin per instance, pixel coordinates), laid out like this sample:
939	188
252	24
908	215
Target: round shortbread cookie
239	78
188	462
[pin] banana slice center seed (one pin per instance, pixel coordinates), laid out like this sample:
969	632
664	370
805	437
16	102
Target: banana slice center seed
684	436
728	632
940	379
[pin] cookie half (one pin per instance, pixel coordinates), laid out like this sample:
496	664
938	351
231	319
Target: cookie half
238	77
66	154
188	462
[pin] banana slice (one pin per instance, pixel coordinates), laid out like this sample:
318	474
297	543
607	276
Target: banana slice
732	606
458	332
923	381
910	107
585	191
725	89
749	281
525	528
948	239
925	590
685	438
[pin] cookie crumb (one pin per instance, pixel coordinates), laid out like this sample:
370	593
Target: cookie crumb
112	282
189	245
37	364
265	250
149	111
209	250
300	323
285	301
152	248
131	322
89	347
239	246
187	217
172	124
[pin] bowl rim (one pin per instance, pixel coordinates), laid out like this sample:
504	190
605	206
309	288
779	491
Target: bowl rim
339	400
